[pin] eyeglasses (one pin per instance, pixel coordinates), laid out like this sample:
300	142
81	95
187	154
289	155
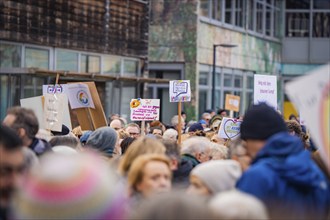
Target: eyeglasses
133	134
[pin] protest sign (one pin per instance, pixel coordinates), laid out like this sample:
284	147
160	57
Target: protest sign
180	91
53	111
265	90
229	128
35	103
144	109
314	105
232	102
79	96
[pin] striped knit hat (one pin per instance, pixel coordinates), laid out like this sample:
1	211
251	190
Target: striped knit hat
78	186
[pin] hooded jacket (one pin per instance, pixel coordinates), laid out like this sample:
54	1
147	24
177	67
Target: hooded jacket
287	180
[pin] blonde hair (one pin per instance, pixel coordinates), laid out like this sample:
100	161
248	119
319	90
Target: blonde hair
219	148
142	145
135	173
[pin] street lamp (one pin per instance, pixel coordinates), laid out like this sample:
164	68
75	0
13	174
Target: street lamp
213	73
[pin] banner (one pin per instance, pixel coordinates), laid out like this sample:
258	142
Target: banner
229	128
180	91
265	90
144	109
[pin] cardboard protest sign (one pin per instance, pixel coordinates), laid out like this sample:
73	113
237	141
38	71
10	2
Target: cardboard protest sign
144	109
232	102
35	103
265	90
314	105
180	91
53	111
79	96
229	128
60	89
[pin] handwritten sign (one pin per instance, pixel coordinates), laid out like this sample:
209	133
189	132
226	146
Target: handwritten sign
180	91
79	96
144	109
265	90
53	111
232	102
229	128
311	96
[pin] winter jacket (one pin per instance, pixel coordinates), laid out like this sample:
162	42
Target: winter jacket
190	158
40	146
287	180
181	175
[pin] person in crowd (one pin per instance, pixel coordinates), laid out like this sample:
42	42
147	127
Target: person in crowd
126	143
157	123
211	112
11	167
157	131
204	124
149	175
218	151
104	140
65	140
133	130
239	153
25	123
196	130
282	174
213	177
215	122
222	113
196	149
206	117
117	124
113	117
79	186
77	131
173	206
142	145
180	168
175	123
83	139
235	205
170	135
294	129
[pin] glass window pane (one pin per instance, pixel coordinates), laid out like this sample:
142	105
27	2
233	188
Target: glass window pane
83	63
217	100
268	21
239	13
66	60
3	94
250	82
111	64
94	64
321	4
259	17
38	58
127	93
297	4
10	55
297	24
251	14
228	8
202	104
227	80
216	9
130	67
277	23
321	24
203	78
204	8
238	82
217	79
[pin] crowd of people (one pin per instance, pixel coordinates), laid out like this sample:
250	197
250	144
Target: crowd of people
122	171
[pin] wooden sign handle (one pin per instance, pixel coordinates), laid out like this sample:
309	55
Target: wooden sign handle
179	123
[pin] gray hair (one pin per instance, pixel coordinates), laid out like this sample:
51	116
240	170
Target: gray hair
219	148
175	120
195	145
170	134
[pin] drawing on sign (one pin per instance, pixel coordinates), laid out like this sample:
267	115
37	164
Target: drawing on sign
230	128
83	98
325	116
180	88
135	103
52	89
144	109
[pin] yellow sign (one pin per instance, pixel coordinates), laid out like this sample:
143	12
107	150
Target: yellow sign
232	102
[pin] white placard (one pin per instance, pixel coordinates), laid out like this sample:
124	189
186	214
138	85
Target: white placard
229	128
53	111
265	90
79	96
35	103
311	96
144	109
180	91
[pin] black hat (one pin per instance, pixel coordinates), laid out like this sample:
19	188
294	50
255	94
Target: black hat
260	122
195	127
65	130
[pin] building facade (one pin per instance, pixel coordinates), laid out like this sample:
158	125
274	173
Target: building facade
183	35
105	37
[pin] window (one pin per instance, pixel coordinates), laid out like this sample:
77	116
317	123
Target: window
203	78
204	8
251	16
228	11
277	23
238	82
216	9
10	55
131	67
38	58
111	65
239	15
297	4
89	64
297	24
66	60
259	17
269	18
321	24
321	4
202	104
227	80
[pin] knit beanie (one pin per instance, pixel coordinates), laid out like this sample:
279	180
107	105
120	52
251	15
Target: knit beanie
195	127
218	175
104	140
260	122
76	186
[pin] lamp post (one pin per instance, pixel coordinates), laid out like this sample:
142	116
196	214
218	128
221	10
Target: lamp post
214	64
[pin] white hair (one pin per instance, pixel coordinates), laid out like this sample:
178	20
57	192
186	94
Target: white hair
219	149
237	205
195	145
170	134
175	120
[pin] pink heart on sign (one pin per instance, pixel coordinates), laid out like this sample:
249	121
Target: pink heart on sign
232	135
